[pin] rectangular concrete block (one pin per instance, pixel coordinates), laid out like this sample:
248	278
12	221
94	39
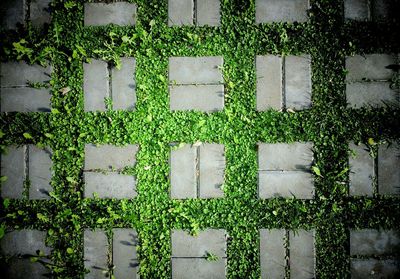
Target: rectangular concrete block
274	184
212	170
302	254
19	268
40	12
361	171
195	70
110	185
95	253
369	242
95	84
298	82
370	66
269	82
12	13
374	94
119	13
124	253
372	268
207	241
356	9
13	167
183	172
24	242
180	12
124	85
208	13
199	268
40	165
19	73
285	156
389	169
206	98
272	253
109	157
281	11
25	99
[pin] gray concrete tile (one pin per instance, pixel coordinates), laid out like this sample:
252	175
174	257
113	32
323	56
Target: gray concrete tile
124	253
24	242
13	167
298	82
374	94
370	66
123	85
361	171
19	268
25	100
272	253
19	73
40	172
302	254
269	82
212	170
119	13
183	172
207	241
206	98
95	85
180	12
208	13
389	169
95	253
199	268
12	12
268	11
110	185
108	157
40	12
285	156
370	242
372	268
356	9
274	184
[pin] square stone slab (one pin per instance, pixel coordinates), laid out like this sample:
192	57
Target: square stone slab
371	242
199	268
12	12
95	84
180	12
13	167
95	253
361	171
268	11
185	245
272	253
370	66
124	253
123	85
356	9
119	13
107	157
389	169
302	254
40	173
110	185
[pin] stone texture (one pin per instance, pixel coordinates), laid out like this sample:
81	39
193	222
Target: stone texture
269	82
183	172
369	242
361	171
108	157
208	13
195	70
25	100
206	98
212	170
207	241
24	242
356	9
110	185
273	184
95	253
302	254
19	73
19	268
285	156
119	13
123	85
272	253
199	268
389	169
370	66
12	12
372	268
375	94
13	167
95	84
40	165
180	12
281	10
40	12
124	253
298	82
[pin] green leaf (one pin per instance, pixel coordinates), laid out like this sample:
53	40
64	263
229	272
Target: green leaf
50	136
70	179
1	134
70	250
27	136
2	230
3	178
55	111
316	170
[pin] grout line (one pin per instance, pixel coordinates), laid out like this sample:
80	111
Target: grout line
283	69
287	254
197	169
369	7
110	95
194	12
25	192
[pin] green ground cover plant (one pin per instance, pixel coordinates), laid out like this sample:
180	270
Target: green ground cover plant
328	124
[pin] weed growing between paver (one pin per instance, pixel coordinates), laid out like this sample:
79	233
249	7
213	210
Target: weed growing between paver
329	125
